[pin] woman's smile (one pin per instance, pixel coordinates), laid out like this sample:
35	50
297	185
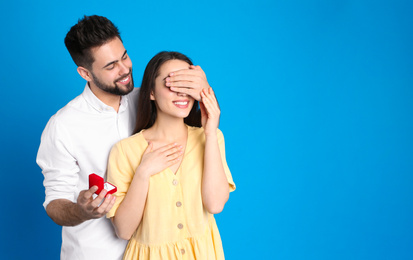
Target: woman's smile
181	103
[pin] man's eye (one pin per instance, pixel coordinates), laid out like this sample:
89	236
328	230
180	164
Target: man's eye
125	57
110	67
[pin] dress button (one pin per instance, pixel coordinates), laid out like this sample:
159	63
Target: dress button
175	182
180	226
182	251
178	204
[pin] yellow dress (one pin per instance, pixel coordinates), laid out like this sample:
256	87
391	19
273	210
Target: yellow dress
175	225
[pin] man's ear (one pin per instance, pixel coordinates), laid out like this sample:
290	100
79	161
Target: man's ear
84	73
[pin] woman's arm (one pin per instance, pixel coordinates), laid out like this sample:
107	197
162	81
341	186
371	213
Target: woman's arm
130	211
215	188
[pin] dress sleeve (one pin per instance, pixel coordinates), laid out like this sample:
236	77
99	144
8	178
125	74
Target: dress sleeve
120	174
58	164
221	143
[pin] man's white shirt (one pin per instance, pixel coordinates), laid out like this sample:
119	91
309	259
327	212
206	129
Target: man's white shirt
75	143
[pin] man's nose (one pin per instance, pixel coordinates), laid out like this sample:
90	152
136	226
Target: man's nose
124	68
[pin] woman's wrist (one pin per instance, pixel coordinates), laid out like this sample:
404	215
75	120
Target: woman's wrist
142	175
211	134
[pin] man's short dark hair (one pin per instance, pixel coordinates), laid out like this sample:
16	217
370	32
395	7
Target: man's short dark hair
90	31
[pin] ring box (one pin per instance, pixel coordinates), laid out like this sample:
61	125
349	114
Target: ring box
96	180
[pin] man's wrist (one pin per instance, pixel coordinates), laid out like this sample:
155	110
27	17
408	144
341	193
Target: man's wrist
79	213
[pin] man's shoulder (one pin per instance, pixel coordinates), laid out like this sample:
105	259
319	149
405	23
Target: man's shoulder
134	92
133	96
68	114
70	109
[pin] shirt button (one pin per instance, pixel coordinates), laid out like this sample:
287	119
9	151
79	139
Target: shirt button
180	226
175	182
182	251
178	204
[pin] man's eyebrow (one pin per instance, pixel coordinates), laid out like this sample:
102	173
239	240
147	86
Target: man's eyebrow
112	62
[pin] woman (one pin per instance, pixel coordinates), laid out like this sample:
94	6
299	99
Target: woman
171	175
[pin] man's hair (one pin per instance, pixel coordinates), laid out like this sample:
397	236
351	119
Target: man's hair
90	31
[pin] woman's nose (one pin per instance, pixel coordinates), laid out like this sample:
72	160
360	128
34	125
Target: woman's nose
182	94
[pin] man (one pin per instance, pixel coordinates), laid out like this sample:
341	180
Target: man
77	139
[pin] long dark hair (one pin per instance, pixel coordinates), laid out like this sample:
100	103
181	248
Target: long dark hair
147	112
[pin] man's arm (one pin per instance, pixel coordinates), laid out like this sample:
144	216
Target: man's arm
189	81
61	176
66	213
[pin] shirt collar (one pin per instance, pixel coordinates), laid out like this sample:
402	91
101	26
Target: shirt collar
98	105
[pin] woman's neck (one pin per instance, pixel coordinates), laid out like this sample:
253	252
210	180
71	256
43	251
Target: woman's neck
167	130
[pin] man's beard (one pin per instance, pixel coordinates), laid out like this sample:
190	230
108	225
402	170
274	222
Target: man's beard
114	89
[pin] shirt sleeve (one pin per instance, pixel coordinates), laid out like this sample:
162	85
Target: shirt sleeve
221	143
59	166
120	174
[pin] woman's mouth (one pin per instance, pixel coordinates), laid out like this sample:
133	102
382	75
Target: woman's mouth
181	104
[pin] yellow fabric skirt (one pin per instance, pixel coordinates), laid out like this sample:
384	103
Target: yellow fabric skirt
205	247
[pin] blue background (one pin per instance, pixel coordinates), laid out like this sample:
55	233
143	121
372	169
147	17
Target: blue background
317	106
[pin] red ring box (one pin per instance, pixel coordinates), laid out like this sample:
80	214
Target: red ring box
95	179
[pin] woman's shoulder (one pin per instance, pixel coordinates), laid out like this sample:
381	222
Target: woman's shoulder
138	137
134	141
199	131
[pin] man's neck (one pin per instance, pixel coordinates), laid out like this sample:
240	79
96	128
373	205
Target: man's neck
109	99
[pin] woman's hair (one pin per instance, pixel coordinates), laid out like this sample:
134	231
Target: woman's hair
147	112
